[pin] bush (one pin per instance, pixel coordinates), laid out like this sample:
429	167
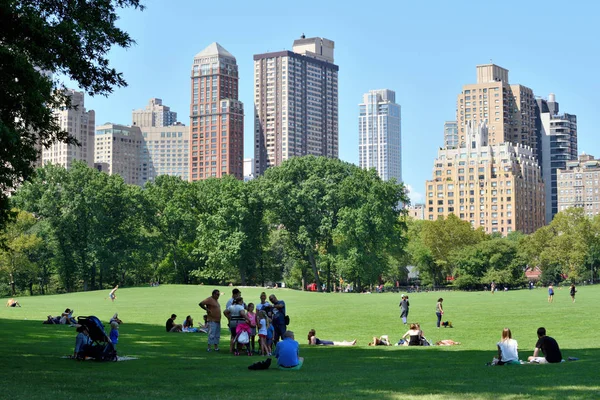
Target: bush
466	282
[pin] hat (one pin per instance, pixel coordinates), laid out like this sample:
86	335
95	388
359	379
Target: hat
403	295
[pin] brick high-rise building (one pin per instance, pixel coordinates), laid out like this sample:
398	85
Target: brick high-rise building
80	124
379	134
497	186
216	116
296	103
510	110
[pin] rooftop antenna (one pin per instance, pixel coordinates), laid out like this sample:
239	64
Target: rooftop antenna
302	36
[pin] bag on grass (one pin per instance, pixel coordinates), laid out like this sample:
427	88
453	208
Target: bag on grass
287	319
261	365
243	338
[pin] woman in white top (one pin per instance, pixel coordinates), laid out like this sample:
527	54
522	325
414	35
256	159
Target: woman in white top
507	349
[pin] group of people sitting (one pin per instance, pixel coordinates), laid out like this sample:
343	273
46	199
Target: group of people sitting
546	349
186	326
413	337
65	318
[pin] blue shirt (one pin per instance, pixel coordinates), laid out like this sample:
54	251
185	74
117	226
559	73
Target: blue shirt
81	341
279	313
287	352
114	336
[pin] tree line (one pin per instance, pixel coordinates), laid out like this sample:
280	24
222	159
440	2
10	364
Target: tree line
312	219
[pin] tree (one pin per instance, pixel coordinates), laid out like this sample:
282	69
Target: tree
39	40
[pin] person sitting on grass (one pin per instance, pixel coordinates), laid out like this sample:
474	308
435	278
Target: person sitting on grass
507	349
383	340
67	317
82	343
313	340
12	303
287	353
549	348
415	336
172	326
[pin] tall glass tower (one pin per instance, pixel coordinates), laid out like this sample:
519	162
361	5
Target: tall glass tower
379	130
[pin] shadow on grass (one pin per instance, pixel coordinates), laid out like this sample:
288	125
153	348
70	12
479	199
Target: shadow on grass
178	366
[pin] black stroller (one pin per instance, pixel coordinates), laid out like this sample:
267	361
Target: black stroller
101	348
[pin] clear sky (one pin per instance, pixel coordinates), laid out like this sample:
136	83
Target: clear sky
423	50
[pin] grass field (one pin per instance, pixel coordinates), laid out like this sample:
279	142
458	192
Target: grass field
178	366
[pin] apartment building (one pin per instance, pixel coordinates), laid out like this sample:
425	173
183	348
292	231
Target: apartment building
579	185
379	134
497	186
154	114
165	151
451	136
558	134
216	116
296	103
80	124
117	151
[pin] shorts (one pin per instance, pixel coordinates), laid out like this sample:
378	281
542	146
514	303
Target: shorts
232	327
253	331
214	332
111	295
262	336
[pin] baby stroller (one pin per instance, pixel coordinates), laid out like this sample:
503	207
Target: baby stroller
242	338
101	348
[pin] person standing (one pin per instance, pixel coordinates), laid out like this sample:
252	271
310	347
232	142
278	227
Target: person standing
549	348
404	304
572	291
493	287
439	311
235	293
278	317
235	315
264	304
550	293
213	319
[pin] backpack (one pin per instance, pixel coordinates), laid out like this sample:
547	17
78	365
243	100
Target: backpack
287	319
243	337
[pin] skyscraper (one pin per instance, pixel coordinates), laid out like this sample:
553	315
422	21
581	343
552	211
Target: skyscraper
578	185
80	124
380	134
558	146
155	114
451	135
216	116
295	103
495	186
510	110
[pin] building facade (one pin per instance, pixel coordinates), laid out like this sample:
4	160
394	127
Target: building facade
416	211
216	116
117	151
296	103
510	110
80	124
165	151
155	114
451	140
558	133
494	186
249	169
579	185
379	134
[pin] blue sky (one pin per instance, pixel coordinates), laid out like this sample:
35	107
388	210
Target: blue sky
424	50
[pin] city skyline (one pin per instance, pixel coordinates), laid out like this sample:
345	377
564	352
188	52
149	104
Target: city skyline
425	68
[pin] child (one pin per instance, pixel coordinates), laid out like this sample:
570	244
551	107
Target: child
114	333
252	317
112	294
270	334
263	325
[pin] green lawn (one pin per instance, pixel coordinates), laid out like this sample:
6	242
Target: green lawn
178	366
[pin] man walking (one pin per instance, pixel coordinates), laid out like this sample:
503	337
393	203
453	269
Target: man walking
404	308
278	317
213	318
549	348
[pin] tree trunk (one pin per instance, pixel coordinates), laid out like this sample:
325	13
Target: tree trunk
313	264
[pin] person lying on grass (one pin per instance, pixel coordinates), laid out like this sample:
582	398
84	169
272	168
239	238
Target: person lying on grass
383	340
313	340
